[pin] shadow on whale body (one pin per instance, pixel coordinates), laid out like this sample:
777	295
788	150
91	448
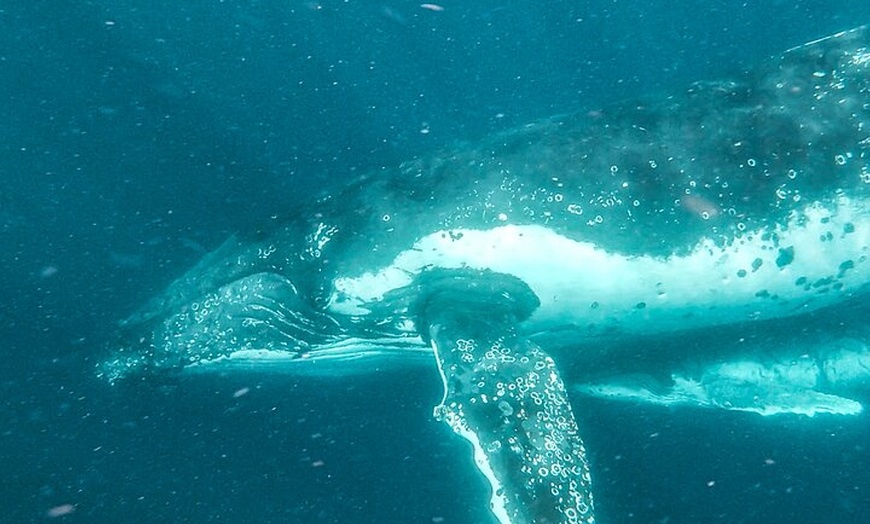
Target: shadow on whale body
738	201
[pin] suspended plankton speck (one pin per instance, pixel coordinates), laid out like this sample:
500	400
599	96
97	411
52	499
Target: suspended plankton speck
60	511
241	392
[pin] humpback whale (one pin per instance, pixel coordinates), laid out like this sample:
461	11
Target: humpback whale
745	200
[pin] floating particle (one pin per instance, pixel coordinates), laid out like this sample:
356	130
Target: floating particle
241	392
60	511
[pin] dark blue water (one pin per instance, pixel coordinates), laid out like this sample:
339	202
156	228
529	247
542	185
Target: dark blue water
134	136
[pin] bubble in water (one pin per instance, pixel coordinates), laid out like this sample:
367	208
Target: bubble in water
505	408
575	209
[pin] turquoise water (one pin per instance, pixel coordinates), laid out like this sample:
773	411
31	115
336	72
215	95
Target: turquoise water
136	136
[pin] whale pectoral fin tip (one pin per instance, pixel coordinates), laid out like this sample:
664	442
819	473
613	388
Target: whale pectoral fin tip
503	395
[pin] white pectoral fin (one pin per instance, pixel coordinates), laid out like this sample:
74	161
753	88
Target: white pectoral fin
787	401
764	397
792	388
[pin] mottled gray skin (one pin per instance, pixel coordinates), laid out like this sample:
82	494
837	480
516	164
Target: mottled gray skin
714	161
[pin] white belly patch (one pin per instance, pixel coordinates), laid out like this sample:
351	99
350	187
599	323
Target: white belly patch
818	258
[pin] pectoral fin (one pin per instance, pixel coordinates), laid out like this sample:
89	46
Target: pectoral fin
776	399
503	394
766	394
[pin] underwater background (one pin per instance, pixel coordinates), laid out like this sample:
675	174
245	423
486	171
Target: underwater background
136	136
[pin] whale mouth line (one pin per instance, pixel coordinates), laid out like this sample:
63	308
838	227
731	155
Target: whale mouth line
347	356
